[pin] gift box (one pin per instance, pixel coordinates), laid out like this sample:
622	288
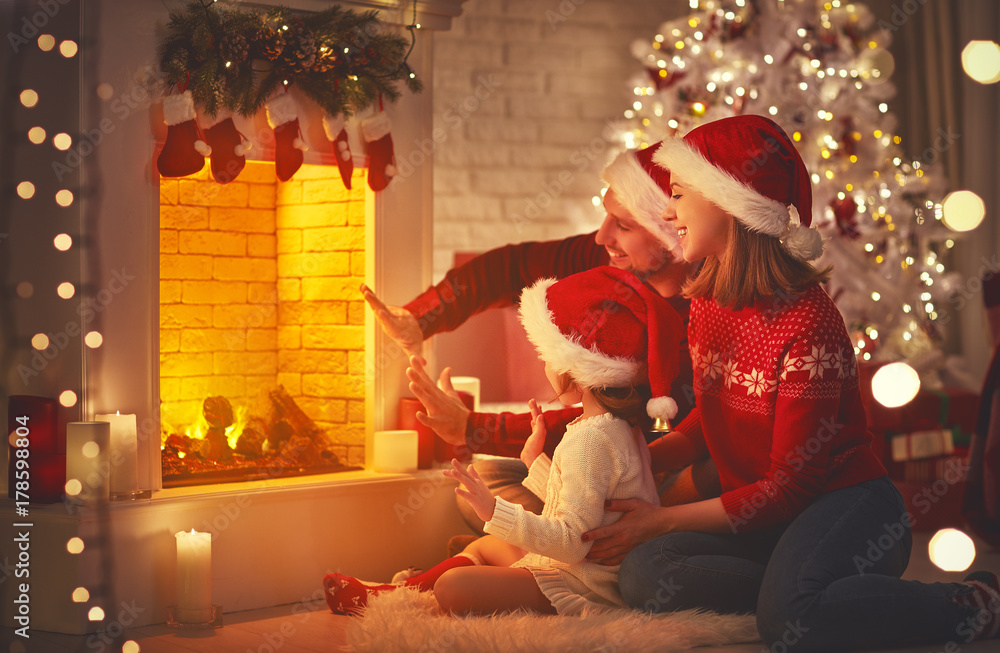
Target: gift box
944	408
926	423
922	444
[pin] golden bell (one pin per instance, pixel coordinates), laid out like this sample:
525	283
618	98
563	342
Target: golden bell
661	426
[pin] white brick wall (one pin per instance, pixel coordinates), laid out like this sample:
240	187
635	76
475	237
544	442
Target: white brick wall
524	93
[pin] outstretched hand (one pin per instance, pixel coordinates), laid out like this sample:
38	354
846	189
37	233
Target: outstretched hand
613	542
446	413
536	441
397	322
475	491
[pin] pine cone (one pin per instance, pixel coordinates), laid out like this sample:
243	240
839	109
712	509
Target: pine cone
234	47
326	60
272	43
300	53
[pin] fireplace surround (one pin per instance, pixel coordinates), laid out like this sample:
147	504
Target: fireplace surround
273	538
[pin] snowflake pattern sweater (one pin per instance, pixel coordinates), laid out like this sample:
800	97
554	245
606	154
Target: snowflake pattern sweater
778	405
599	458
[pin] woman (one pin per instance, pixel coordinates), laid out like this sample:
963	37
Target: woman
809	532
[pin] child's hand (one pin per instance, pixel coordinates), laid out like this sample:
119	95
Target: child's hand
476	492
536	441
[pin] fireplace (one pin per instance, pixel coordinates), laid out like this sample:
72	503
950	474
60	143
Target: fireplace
93	231
261	327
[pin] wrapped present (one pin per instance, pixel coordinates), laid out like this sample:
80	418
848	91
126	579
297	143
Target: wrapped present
954	409
922	444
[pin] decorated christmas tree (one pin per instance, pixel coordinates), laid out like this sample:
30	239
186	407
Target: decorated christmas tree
821	70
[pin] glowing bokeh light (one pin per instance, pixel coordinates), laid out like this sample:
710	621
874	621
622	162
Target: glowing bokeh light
895	384
952	550
962	210
981	61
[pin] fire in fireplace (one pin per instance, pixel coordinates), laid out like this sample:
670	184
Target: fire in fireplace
261	325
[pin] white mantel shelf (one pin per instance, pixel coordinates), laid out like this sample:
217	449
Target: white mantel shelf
272	543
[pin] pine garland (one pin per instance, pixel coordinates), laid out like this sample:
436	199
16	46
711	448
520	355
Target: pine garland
234	58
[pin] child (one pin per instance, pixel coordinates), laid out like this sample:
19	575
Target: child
778	407
598	333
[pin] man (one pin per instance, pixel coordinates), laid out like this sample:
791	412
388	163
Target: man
631	237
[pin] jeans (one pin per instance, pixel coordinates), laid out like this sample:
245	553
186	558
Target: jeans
827	581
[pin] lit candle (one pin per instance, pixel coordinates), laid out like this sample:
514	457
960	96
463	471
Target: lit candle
124	461
468	384
87	449
395	451
194	577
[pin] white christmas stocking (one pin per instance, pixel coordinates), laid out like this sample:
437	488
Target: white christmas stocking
283	116
334	127
381	159
184	151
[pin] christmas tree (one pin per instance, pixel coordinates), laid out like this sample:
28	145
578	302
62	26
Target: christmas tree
821	70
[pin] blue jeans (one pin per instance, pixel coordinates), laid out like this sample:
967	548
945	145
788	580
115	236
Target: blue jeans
827	581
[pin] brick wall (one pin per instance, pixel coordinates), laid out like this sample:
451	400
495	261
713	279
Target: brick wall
258	287
525	95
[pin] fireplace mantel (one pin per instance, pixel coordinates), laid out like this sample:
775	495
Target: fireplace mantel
113	222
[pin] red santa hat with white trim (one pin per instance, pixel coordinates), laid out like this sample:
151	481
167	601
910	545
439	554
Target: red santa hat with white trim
605	328
749	167
644	189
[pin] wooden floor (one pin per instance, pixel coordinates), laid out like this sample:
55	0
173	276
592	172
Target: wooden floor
309	628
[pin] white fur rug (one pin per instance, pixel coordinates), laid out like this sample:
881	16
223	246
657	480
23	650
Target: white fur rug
407	620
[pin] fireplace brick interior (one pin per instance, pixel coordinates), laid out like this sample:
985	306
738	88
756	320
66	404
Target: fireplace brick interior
259	289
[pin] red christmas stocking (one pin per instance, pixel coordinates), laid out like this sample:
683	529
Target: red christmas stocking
228	149
335	131
381	159
183	152
283	116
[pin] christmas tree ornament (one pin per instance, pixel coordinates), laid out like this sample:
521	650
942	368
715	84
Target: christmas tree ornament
228	147
381	159
184	151
335	131
283	117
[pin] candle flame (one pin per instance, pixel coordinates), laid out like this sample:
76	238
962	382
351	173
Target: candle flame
193	531
118	412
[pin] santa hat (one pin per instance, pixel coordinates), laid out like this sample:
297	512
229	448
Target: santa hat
605	328
644	189
749	167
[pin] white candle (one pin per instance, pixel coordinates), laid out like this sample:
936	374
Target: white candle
124	453
88	446
194	577
395	451
468	384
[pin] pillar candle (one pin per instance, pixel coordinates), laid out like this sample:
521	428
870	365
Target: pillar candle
194	577
443	451
124	456
395	451
39	417
31	427
468	384
88	446
408	407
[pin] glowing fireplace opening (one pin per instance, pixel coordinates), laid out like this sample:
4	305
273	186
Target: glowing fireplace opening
261	328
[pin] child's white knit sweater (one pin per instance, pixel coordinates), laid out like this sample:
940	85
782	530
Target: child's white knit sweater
599	458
